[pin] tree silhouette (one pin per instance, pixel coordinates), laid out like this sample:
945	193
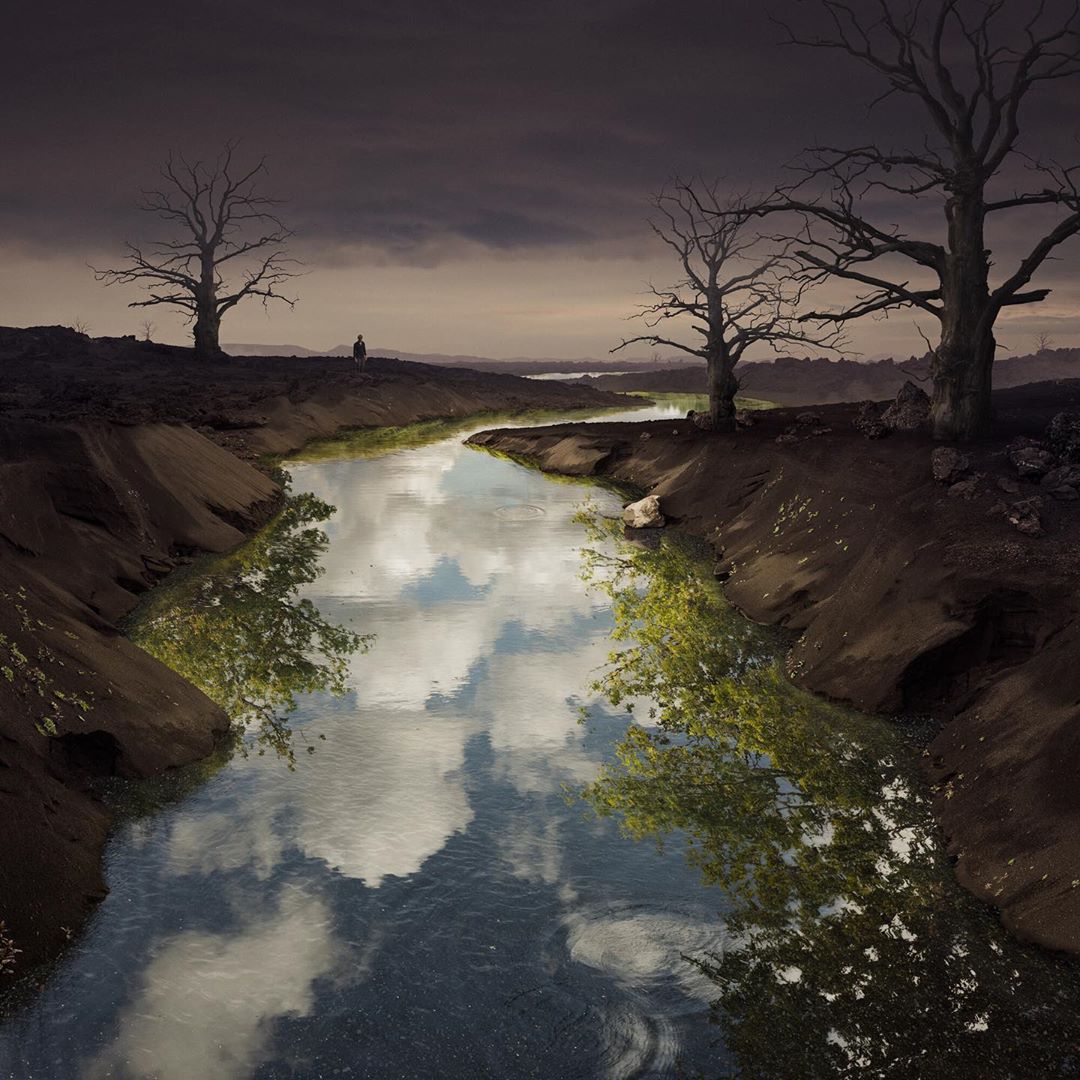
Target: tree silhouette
969	81
223	223
736	293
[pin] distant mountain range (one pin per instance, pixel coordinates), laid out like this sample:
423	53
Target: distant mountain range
821	381
786	380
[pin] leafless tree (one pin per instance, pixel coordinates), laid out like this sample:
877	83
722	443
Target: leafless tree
80	326
969	66
735	292
222	223
147	326
1043	342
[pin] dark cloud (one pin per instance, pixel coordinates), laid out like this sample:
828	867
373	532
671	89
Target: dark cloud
413	127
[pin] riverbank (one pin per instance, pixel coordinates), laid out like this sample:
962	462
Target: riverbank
120	461
906	596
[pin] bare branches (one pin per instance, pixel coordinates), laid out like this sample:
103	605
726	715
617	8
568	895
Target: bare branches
915	48
737	290
970	64
221	220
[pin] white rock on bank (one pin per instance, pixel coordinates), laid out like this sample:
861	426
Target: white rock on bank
643	514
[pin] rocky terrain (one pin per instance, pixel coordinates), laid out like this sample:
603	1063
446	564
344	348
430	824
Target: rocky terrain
915	579
118	460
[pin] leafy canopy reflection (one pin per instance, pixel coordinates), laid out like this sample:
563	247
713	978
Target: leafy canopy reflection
855	952
241	634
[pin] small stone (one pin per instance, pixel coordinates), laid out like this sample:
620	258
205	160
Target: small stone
1025	516
787	437
868	421
966	489
645	435
808	418
997	510
1008	485
1062	476
910	411
745	418
1063	435
949	465
644	514
1032	462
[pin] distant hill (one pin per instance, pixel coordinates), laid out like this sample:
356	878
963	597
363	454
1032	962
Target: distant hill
518	365
822	381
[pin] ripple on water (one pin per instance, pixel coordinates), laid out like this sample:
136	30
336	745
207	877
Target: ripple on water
645	950
519	512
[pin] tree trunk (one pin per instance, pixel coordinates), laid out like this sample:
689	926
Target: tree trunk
963	373
207	329
722	389
207	319
963	363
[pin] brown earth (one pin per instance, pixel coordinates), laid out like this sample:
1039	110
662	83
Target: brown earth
119	460
904	598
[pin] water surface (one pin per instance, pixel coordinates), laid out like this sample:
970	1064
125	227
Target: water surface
456	856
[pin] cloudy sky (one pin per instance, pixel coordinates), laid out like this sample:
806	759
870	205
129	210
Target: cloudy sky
463	177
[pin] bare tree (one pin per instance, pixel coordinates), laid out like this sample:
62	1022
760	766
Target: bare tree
958	62
223	223
80	326
735	293
147	326
1043	342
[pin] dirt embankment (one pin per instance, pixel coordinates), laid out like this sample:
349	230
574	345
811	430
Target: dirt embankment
117	461
904	598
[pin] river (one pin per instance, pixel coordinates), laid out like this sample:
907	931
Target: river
459	839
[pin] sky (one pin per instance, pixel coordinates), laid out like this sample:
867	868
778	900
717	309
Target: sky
461	177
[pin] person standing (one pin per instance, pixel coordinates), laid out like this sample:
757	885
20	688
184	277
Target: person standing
359	354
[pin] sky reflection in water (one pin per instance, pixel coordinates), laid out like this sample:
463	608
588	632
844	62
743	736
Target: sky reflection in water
418	897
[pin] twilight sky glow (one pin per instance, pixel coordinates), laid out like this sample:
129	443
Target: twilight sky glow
463	177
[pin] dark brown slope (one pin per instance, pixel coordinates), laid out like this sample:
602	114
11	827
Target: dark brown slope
115	463
904	598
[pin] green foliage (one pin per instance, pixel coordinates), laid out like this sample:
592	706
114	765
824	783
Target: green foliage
854	952
240	633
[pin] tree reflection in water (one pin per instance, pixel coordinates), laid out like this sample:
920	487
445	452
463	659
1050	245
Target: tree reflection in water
856	953
241	634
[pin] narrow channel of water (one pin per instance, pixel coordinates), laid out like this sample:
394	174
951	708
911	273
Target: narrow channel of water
445	851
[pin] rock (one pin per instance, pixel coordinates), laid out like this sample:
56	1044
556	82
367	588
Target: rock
1025	515
787	437
645	435
868	421
997	510
1063	435
809	418
1031	461
949	465
966	489
745	418
1062	476
910	411
1066	493
1008	485
643	514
